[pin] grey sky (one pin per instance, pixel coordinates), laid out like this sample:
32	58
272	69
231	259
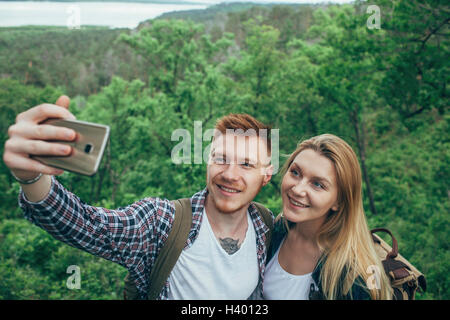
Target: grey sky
268	1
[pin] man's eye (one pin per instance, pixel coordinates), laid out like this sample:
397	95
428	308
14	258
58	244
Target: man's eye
219	160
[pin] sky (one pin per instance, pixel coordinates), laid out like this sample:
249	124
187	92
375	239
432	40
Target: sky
268	1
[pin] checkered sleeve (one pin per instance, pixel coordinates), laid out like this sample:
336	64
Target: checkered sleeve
130	236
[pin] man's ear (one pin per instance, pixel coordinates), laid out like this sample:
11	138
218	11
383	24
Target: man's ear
267	171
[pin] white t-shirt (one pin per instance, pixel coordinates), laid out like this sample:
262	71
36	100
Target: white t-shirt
281	285
205	271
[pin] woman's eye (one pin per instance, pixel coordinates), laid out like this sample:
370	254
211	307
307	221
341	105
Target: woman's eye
318	185
294	172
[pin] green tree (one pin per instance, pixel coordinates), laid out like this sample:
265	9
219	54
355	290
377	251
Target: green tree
415	57
344	49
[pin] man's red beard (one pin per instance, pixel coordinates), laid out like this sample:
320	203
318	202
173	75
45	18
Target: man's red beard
231	205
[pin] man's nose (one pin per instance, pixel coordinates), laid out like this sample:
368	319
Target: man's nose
231	172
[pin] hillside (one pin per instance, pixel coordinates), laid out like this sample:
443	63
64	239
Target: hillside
305	70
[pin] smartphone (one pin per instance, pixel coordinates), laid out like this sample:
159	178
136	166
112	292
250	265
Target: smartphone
87	148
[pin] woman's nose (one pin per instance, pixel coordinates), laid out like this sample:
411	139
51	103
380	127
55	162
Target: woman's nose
300	189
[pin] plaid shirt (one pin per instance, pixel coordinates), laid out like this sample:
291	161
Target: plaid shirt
130	236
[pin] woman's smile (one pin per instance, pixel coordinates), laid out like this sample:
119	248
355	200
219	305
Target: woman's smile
297	204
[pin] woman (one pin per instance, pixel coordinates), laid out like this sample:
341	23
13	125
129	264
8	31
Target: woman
321	245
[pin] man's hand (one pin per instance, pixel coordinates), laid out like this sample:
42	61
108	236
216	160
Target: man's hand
28	137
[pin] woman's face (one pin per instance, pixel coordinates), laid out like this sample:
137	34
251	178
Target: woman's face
309	188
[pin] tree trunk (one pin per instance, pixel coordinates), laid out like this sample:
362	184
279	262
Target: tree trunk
100	183
91	199
311	120
360	141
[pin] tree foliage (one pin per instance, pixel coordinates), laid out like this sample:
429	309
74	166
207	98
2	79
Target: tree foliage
305	71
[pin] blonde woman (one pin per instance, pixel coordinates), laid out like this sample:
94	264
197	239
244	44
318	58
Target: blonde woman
321	245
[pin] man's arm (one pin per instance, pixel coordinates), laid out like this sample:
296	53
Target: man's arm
38	190
126	235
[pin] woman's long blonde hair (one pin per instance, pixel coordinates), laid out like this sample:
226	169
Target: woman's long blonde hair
344	237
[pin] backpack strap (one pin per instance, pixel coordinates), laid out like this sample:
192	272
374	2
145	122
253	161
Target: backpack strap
169	253
394	252
268	220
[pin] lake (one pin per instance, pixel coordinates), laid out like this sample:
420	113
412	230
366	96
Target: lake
74	14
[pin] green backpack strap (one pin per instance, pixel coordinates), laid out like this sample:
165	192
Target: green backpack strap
268	220
169	253
168	256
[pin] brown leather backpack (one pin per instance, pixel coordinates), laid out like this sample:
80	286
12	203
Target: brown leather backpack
405	278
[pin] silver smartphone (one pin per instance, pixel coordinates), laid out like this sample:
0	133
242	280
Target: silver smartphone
87	148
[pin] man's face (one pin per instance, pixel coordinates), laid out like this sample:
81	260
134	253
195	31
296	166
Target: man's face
239	166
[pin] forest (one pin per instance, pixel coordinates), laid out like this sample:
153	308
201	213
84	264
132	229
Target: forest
303	69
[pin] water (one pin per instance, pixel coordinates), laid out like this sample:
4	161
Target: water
76	14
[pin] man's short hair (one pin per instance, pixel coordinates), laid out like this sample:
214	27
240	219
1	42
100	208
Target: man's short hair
245	123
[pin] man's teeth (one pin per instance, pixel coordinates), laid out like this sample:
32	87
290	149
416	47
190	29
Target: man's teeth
228	190
298	204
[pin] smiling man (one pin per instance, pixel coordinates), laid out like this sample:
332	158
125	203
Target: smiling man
224	262
224	255
232	178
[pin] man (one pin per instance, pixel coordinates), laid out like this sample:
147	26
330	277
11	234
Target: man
225	252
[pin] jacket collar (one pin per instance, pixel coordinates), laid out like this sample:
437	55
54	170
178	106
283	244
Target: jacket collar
358	290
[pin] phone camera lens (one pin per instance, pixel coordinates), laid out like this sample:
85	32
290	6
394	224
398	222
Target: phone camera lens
88	148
